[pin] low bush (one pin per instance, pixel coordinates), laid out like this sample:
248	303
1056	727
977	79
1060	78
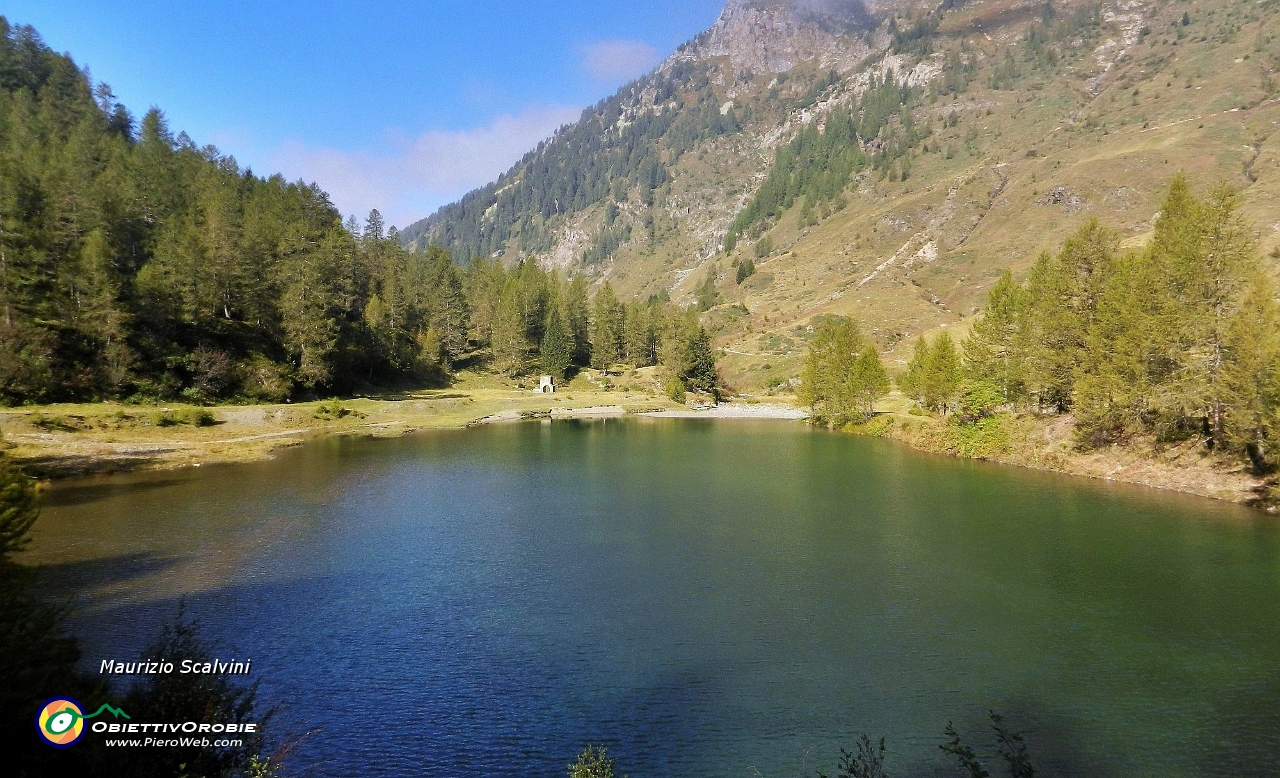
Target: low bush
879	426
164	418
334	410
195	417
674	389
51	423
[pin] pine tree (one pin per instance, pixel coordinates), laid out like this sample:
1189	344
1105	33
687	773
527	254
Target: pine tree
934	375
535	293
1251	379
483	287
19	509
1113	388
1169	321
607	328
699	368
316	291
556	352
578	319
708	295
942	374
446	304
509	341
640	339
991	351
1218	282
910	382
1063	294
100	313
826	384
869	381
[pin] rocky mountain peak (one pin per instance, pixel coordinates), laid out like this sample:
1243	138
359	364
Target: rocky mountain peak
833	15
773	36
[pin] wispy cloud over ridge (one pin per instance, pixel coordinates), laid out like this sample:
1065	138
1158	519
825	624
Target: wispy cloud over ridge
413	176
618	60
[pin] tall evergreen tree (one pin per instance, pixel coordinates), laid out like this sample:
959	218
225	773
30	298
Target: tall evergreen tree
447	308
316	292
607	328
934	375
825	384
698	363
1251	377
1064	291
578	319
510	341
556	351
992	349
870	381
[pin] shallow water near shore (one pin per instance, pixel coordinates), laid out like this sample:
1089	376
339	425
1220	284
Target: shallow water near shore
705	598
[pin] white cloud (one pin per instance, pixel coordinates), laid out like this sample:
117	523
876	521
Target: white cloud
618	60
410	177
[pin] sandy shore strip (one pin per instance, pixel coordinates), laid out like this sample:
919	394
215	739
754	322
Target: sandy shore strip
733	411
723	411
588	412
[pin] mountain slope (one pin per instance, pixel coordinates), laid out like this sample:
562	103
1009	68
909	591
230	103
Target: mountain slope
1015	122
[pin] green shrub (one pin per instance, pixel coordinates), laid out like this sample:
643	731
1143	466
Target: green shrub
985	439
197	417
334	410
164	418
880	426
674	389
593	763
978	400
265	381
51	423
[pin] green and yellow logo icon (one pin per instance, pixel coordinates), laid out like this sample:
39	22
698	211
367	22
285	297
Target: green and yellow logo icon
61	721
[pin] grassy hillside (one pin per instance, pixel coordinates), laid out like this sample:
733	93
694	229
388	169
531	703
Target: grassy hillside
1032	118
1018	171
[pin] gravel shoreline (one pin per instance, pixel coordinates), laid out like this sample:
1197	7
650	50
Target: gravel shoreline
723	411
730	411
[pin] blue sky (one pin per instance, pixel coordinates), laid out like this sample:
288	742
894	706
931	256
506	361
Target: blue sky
399	106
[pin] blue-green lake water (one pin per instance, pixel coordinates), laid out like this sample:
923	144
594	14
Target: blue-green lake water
705	598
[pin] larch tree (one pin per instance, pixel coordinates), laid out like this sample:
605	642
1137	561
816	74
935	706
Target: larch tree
509	340
991	351
869	381
606	328
578	318
556	350
826	384
1251	378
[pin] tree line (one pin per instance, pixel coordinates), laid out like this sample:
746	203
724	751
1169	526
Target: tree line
1176	342
535	319
1179	341
135	264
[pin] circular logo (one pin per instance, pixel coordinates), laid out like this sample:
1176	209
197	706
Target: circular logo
61	722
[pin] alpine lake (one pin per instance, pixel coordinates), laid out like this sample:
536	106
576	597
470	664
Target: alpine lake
705	598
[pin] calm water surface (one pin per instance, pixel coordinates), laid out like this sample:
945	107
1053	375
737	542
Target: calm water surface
705	598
